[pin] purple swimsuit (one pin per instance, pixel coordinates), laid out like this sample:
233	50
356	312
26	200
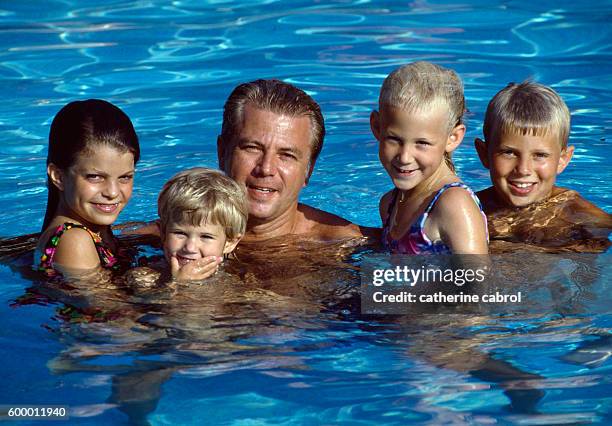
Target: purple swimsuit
415	241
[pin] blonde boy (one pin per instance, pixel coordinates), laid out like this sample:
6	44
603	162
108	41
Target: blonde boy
203	215
526	132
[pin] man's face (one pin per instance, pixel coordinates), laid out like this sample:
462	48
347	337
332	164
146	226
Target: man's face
270	156
524	168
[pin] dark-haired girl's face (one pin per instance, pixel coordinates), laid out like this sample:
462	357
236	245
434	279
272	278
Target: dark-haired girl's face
97	187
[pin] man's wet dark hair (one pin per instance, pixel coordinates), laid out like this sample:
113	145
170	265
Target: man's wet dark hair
278	97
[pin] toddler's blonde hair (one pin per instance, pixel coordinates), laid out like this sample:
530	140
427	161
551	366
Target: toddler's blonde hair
202	195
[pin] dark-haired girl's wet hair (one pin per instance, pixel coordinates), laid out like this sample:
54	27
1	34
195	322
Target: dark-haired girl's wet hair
81	126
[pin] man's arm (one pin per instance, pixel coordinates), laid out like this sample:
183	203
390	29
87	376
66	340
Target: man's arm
139	228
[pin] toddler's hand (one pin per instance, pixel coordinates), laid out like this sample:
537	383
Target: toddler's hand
194	271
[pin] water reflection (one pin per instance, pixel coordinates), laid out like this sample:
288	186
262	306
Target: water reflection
283	321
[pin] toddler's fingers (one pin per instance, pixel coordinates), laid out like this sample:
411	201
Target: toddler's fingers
200	269
204	268
174	266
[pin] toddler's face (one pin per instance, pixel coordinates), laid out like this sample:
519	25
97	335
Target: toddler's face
413	143
524	168
187	242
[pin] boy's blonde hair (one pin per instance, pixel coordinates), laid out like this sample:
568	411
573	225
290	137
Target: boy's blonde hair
421	85
527	109
199	195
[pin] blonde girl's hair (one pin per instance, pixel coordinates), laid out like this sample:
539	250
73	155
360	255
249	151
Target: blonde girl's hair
527	108
422	85
202	195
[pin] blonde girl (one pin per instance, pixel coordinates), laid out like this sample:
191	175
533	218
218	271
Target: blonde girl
418	125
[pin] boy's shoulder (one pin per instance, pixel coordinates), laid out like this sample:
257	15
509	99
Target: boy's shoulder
563	203
576	209
563	219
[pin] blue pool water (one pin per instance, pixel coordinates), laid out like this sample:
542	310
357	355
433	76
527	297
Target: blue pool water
170	66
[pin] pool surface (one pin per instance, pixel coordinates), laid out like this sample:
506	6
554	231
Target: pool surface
261	356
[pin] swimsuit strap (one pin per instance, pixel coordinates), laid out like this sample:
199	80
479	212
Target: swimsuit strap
437	196
107	259
391	206
432	203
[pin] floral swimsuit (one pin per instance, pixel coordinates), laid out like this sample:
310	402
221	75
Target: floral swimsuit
107	259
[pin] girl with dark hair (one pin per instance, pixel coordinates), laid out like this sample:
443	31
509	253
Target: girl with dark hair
93	149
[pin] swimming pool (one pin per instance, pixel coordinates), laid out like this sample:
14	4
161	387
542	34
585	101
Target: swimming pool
170	66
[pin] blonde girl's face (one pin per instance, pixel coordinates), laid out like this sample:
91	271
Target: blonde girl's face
412	144
96	188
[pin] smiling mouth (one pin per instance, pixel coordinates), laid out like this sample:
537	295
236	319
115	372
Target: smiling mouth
184	260
261	190
521	188
403	171
106	208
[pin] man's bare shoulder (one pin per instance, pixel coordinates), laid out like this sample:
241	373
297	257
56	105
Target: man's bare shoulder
327	226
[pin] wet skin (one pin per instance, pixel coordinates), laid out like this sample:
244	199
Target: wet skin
96	188
524	168
195	252
270	155
525	206
93	191
271	158
412	147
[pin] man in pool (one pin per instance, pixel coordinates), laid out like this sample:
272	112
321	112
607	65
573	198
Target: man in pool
271	136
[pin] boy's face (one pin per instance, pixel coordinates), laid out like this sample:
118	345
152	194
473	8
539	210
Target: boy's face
187	243
524	168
